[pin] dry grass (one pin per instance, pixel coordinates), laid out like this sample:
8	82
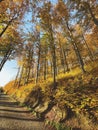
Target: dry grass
75	90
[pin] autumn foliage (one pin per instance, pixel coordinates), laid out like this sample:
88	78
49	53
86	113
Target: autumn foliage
56	45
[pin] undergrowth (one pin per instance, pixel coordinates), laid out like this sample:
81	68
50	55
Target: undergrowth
75	91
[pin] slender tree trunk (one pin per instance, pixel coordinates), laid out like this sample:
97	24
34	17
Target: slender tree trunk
78	56
54	61
6	27
76	49
54	66
53	53
95	20
62	58
32	71
51	68
25	75
28	75
19	82
38	61
65	61
16	79
30	58
7	55
45	68
89	51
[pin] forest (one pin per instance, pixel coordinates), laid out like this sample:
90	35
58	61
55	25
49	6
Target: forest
55	43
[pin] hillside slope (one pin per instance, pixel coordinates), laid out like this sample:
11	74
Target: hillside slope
74	102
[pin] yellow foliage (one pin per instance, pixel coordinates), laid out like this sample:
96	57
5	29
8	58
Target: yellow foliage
61	9
38	28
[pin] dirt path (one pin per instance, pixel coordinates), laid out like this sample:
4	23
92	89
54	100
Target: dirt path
14	117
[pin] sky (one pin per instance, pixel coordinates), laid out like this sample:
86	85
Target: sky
8	72
10	68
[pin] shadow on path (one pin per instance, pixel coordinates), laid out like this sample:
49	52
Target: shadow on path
17	111
17	118
9	104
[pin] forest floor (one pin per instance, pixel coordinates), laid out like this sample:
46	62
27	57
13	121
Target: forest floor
76	95
14	117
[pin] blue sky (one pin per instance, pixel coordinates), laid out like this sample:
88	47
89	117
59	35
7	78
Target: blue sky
10	68
8	72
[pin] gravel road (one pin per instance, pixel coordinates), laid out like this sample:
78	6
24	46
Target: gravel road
15	117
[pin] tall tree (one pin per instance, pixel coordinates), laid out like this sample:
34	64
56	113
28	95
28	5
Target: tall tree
47	24
11	43
11	13
63	13
82	8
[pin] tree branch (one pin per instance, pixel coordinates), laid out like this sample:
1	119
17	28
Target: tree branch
1	0
95	20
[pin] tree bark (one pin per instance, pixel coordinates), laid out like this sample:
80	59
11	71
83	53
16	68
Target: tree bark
19	82
95	20
89	51
38	61
65	60
53	52
75	47
16	79
6	56
45	68
86	7
6	27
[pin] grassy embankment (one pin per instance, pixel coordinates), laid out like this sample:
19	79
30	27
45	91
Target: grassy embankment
74	102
